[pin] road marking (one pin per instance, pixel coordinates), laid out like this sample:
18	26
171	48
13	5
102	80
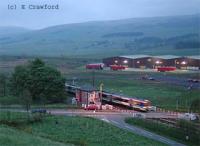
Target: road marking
115	122
150	135
106	120
128	127
164	140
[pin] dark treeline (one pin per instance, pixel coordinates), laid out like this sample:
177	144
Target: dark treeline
34	82
186	45
123	34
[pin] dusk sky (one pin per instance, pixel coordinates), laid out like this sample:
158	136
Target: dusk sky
73	11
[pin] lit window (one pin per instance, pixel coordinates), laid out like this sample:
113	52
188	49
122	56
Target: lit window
138	61
157	62
183	62
125	61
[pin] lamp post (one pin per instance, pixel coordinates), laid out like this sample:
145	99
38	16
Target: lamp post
93	78
101	90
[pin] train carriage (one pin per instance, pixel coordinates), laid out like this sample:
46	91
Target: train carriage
137	104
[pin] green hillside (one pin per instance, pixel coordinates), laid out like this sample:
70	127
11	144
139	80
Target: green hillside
178	35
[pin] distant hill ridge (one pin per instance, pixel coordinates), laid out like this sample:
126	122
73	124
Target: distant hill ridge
177	35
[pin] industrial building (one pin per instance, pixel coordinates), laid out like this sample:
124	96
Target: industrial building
147	61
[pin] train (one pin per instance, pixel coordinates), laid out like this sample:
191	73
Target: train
97	66
100	66
164	69
129	102
111	98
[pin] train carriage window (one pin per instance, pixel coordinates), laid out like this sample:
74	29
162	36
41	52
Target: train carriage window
141	104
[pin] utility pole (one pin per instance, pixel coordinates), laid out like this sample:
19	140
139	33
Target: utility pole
101	90
93	78
176	104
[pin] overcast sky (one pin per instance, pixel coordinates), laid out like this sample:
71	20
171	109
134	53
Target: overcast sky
73	11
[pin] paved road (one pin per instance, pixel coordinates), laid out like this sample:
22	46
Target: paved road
119	122
117	119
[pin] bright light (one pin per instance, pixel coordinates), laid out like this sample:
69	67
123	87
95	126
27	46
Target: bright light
157	62
183	62
116	61
138	61
125	61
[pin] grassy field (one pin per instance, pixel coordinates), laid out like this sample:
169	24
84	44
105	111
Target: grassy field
161	94
165	95
178	134
13	137
60	130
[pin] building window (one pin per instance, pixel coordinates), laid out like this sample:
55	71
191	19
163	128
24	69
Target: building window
157	62
125	61
138	61
183	62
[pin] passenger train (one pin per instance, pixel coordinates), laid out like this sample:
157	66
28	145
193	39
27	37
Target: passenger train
131	103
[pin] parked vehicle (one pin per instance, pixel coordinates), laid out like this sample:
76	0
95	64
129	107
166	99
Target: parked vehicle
117	67
188	116
164	69
193	80
152	108
41	111
147	78
91	107
139	115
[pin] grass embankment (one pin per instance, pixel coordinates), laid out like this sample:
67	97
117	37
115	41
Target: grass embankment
79	131
13	137
178	134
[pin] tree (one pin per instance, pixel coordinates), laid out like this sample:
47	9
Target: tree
195	106
47	84
3	84
19	80
19	85
42	82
